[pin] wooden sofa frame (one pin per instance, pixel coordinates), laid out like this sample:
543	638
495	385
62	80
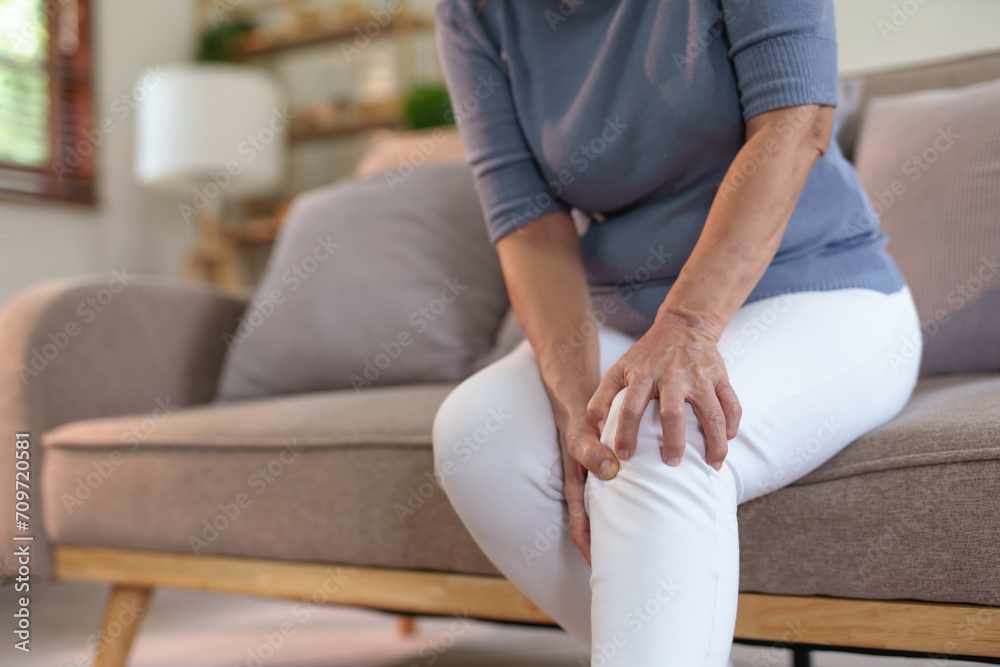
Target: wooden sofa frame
932	630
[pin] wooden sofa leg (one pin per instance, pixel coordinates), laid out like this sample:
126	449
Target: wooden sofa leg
407	624
126	609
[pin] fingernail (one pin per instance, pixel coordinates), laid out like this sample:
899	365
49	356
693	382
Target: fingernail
674	461
717	465
623	455
607	468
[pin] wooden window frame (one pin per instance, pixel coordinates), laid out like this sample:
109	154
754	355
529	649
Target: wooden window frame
70	171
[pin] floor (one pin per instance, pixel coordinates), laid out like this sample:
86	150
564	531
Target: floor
208	630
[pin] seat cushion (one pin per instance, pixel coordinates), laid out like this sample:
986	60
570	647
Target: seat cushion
340	477
909	511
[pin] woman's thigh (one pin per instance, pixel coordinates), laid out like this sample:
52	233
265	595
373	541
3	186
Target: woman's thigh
813	371
496	454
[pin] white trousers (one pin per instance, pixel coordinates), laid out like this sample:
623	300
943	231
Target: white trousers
813	371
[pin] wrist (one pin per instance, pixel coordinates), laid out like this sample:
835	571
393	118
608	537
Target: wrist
702	322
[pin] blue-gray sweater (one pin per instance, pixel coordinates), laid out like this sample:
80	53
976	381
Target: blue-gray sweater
631	111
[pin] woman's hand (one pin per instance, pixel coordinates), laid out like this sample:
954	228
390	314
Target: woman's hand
677	360
582	452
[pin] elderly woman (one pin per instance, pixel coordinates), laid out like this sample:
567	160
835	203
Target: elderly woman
708	306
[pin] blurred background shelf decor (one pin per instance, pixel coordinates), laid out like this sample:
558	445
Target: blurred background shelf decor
348	72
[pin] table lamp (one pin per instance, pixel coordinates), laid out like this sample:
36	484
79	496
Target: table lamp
208	132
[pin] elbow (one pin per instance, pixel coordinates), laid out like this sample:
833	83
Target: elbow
807	128
820	130
554	231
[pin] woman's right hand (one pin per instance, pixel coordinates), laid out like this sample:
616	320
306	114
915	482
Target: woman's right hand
582	454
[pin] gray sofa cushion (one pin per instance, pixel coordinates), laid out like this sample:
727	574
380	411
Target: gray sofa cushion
930	162
907	511
372	282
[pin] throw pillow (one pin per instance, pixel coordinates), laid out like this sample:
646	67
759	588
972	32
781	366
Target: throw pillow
930	163
372	282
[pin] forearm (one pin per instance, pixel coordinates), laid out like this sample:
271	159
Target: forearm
549	294
748	217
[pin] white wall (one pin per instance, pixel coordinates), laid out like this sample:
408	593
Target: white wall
139	231
885	34
129	227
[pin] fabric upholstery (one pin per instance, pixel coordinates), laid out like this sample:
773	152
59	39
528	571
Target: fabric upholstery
950	74
98	345
372	282
907	511
930	162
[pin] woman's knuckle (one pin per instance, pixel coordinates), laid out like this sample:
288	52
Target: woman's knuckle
716	417
673	411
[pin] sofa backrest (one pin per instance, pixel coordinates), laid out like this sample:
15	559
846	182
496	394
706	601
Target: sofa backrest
950	74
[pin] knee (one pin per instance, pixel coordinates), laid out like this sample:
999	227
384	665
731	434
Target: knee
464	437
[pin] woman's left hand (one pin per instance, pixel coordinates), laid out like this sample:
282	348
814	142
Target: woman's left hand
677	362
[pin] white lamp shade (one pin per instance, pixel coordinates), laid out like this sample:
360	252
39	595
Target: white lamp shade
198	123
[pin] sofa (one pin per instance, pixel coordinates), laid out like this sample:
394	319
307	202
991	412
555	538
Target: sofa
137	478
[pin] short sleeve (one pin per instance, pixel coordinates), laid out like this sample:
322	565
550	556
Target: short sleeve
511	188
784	52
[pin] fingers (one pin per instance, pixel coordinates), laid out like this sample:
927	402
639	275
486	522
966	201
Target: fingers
713	422
673	415
637	397
731	406
586	449
718	411
600	403
579	522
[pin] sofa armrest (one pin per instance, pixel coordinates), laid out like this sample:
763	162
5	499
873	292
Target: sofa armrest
97	346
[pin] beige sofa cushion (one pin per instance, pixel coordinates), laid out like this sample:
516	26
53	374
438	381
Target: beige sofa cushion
907	511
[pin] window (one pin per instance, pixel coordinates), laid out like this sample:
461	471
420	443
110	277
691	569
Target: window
46	115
